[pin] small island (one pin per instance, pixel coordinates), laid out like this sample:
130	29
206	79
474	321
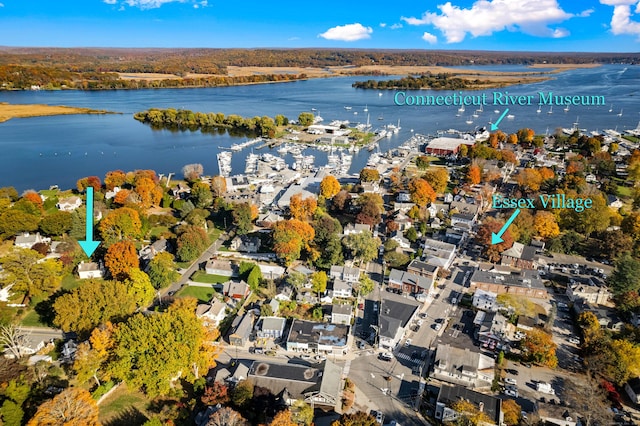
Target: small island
9	111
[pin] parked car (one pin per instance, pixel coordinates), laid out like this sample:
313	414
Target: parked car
407	342
437	326
510	392
385	356
574	340
510	381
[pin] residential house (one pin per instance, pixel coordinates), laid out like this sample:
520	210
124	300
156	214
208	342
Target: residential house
236	289
403	197
485	300
242	327
463	367
402	207
409	282
222	267
181	191
69	204
274	304
424	269
463	214
345	273
271	327
316	337
393	319
402	241
27	240
271	272
632	387
438	253
557	415
451	394
148	252
524	283
370	187
492	329
607	317
245	244
519	256
318	386
212	313
342	288
90	270
614	202
591	290
341	314
284	292
435	208
356	228
268	219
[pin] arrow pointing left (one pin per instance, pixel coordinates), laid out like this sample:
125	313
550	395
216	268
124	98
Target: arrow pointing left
88	245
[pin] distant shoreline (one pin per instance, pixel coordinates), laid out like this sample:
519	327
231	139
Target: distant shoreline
9	111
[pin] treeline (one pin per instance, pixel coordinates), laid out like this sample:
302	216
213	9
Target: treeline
214	61
185	119
440	81
50	78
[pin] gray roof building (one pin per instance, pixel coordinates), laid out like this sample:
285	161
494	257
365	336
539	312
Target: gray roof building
449	395
394	318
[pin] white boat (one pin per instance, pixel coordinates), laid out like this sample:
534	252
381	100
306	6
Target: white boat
469	121
379	93
348	108
317	119
461	109
381	117
511	116
366	108
611	108
620	113
566	109
496	111
539	110
224	163
550	110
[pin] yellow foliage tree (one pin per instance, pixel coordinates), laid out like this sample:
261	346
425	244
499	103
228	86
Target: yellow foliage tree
469	412
72	407
529	179
329	186
302	209
545	225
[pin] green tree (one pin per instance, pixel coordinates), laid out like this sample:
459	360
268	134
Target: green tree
30	273
305	118
254	278
319	282
411	234
13	221
201	195
369	175
152	351
626	275
191	243
242	218
365	286
242	394
362	246
162	270
422	162
56	223
139	287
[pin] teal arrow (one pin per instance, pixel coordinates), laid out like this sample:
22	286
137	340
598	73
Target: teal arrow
497	238
88	245
494	126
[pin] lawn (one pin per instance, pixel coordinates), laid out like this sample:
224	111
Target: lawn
32	319
124	407
202	277
69	282
203	294
624	191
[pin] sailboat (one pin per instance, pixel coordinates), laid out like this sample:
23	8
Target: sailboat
461	109
366	108
469	120
620	113
566	109
539	110
550	110
381	117
611	108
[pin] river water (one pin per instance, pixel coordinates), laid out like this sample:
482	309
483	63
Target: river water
42	151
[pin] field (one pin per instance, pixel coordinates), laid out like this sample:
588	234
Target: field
203	294
124	407
9	111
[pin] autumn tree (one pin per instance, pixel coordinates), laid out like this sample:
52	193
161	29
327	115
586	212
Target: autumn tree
545	225
302	209
290	237
85	182
71	407
93	303
217	393
421	192
511	411
149	191
33	197
92	356
474	174
529	179
242	394
226	416
359	418
150	354
631	224
305	118
114	178
242	218
120	258
56	223
30	273
492	226
13	221
218	186
191	242
319	282
329	186
369	175
512	138
192	172
437	177
283	418
341	201
120	224
139	287
540	348
371	208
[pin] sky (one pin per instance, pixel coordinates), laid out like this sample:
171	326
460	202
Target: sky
524	25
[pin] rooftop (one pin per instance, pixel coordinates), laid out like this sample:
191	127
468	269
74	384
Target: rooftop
523	278
320	333
450	394
394	315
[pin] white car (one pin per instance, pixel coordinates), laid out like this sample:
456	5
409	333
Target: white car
407	342
437	326
420	322
510	392
510	381
574	340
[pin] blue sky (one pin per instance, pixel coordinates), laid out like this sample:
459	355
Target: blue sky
542	25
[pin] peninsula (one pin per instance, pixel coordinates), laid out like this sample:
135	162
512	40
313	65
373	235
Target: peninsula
9	111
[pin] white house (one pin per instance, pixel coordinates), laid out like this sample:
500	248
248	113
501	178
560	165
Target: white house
341	314
26	240
356	228
345	273
69	204
212	313
271	327
90	270
485	300
342	288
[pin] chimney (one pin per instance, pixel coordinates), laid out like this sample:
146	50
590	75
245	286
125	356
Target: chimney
481	406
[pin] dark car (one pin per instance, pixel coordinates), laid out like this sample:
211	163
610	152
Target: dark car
512	371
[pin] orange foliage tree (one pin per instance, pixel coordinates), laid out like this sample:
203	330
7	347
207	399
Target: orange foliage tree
529	179
290	237
421	192
120	224
474	174
488	227
218	186
329	186
546	173
283	418
513	138
149	191
85	182
72	407
302	209
34	197
120	258
121	197
114	178
539	347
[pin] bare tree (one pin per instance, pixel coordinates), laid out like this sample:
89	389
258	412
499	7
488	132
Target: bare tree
226	417
588	400
192	171
14	339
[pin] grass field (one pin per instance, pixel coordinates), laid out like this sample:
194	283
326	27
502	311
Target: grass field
32	319
202	277
69	282
203	294
124	407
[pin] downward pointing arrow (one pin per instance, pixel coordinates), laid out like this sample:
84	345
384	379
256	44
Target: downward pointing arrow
497	238
494	126
88	245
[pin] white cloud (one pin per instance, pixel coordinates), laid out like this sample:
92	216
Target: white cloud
1	4
488	16
383	24
585	13
396	26
349	32
154	4
560	33
429	38
621	22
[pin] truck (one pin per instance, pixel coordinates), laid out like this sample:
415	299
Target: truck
545	388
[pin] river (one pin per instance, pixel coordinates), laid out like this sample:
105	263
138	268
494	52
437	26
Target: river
42	151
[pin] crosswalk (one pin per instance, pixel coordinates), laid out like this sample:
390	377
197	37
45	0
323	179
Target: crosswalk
408	358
